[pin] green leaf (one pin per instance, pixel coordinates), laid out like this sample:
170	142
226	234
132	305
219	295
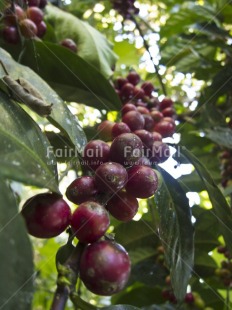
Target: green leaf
204	265
24	149
74	79
61	116
92	46
139	296
221	136
128	54
16	267
176	232
139	246
221	209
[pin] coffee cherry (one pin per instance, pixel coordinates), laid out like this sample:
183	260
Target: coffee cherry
127	91
143	161
157	116
10	34
168	112
156	136
120	128
33	2
133	78
189	298
149	122
90	221
43	3
166	103
11	17
134	120
35	14
148	88
146	137
221	249
142	182
126	149
28	28
104	267
166	129
70	44
123	206
81	190
105	130
139	93
110	177
159	153
143	110
95	153
128	107
120	82
42	28
46	215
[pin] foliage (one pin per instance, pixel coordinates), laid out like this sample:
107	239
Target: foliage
190	45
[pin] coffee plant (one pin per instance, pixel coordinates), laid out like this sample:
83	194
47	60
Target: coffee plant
116	155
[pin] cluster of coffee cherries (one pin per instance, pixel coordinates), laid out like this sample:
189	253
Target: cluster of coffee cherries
192	299
159	117
104	264
226	167
26	17
225	271
125	7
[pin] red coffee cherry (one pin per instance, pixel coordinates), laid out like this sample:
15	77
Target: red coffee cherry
142	182
166	129
46	215
126	149
105	267
70	44
42	28
128	107
95	153
127	91
159	152
166	103
123	206
120	128
120	82
133	78
10	34
81	190
90	221
28	28
35	14
110	177
105	130
146	137
11	17
148	88
134	120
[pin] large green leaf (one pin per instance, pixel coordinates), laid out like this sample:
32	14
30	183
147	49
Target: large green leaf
73	78
176	232
24	154
61	117
139	296
221	209
120	307
91	44
187	14
139	246
221	136
16	268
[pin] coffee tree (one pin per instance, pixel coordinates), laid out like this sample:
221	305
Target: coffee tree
116	161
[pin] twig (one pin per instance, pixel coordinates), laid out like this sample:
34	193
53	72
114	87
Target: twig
152	60
67	278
